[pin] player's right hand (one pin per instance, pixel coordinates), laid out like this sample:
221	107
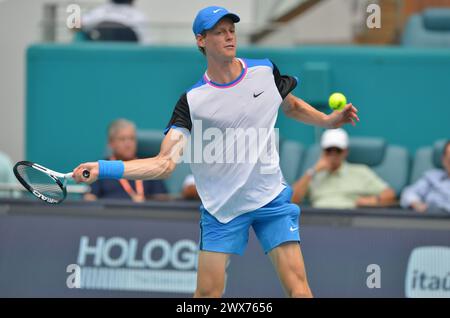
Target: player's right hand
338	118
92	167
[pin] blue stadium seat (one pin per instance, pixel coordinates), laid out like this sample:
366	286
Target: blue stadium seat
427	158
431	28
6	166
7	175
292	154
149	144
390	162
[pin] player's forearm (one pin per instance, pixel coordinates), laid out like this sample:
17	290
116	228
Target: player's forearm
159	167
300	110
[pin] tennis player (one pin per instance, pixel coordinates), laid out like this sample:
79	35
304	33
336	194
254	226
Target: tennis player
243	94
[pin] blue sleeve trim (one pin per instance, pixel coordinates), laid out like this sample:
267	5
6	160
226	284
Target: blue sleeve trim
198	84
262	62
172	127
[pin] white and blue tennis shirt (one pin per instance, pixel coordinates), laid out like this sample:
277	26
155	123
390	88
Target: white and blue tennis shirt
229	187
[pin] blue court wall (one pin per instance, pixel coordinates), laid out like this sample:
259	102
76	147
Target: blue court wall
74	90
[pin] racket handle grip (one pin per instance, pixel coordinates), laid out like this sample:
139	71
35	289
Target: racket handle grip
86	174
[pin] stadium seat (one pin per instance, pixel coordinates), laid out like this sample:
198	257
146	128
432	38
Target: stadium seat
149	143
7	175
431	28
427	158
390	162
292	154
5	168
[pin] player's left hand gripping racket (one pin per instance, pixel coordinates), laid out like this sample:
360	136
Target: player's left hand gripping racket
46	184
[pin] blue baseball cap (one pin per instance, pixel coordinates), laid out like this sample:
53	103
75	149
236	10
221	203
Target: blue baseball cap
208	17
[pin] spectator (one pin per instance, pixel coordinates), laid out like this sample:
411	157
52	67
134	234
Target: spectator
116	21
189	190
123	145
431	193
335	183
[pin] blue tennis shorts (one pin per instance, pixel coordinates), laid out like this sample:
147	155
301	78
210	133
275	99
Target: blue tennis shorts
275	223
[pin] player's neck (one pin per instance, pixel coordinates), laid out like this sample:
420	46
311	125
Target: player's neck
223	71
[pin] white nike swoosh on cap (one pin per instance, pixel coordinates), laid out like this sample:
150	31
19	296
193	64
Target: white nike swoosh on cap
217	10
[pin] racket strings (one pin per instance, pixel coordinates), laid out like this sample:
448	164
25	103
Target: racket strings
41	182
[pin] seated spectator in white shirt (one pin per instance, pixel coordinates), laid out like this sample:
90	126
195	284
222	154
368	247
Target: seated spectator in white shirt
431	193
335	183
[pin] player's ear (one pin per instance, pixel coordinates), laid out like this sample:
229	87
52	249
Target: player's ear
200	40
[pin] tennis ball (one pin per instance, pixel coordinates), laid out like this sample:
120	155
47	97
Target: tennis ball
337	101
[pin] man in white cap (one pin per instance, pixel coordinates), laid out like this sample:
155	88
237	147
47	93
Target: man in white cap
334	183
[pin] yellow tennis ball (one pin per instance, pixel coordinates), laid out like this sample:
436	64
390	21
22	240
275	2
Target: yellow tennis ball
337	101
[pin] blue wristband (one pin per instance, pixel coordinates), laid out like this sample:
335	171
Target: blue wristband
110	169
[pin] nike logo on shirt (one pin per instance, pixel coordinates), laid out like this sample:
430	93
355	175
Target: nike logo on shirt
292	229
256	95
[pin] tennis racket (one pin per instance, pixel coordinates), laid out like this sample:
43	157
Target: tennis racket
43	183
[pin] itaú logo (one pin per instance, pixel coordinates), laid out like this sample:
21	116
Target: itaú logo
428	272
120	252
